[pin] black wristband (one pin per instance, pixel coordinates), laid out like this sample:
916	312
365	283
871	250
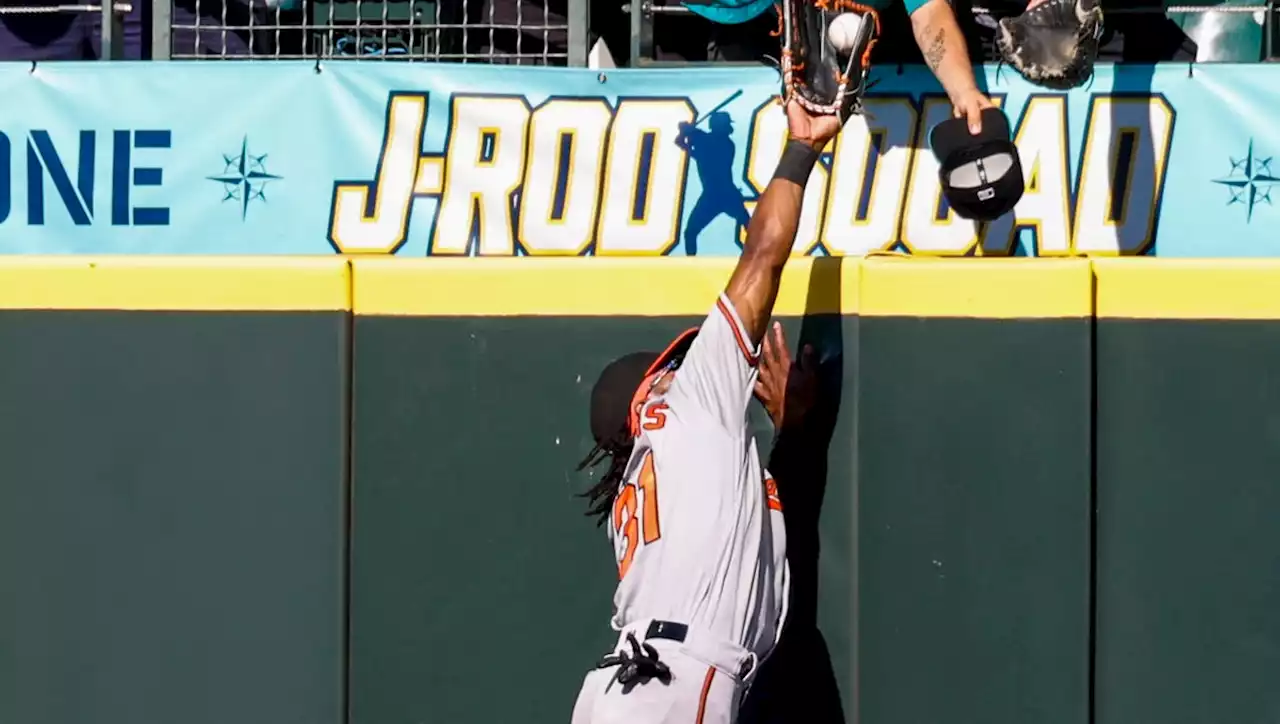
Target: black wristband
797	162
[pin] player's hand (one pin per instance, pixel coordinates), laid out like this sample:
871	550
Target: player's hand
817	130
786	389
969	104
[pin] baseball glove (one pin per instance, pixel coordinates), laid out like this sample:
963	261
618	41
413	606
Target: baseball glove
1053	44
819	77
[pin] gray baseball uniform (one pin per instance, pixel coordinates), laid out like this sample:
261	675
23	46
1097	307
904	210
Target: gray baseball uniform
699	539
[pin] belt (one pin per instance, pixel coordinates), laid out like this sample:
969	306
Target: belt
642	660
668	630
672	631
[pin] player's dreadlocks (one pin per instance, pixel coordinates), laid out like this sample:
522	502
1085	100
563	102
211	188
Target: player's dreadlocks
612	397
612	400
600	496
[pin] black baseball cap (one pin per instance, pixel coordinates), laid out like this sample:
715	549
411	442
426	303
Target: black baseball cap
980	173
614	392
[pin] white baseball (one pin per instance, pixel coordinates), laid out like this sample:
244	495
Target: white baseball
843	31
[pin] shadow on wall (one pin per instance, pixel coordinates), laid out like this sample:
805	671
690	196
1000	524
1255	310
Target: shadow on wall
797	682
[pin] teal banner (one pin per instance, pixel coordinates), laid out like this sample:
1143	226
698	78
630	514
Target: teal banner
437	159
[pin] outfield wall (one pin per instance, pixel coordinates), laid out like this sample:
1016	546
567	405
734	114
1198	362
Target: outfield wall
329	490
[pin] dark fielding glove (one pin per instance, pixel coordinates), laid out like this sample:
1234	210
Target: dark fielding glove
820	78
1054	44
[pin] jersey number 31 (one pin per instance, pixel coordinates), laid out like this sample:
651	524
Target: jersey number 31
630	515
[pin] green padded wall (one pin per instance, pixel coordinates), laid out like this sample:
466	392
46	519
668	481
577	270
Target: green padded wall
480	591
172	491
472	560
178	455
469	421
172	510
1188	591
471	405
972	509
973	520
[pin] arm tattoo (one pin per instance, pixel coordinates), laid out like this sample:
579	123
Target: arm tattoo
933	55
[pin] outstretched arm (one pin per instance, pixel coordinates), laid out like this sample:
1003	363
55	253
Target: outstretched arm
719	370
771	233
938	35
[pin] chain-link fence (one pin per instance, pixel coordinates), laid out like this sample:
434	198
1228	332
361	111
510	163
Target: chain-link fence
1137	31
534	32
519	32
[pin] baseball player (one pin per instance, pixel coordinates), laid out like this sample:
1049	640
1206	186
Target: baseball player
695	523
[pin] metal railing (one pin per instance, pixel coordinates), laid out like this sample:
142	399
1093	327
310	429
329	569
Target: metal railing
1264	13
518	32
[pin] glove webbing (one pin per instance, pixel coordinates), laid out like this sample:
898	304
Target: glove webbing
790	66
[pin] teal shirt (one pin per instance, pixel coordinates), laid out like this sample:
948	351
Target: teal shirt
732	12
911	5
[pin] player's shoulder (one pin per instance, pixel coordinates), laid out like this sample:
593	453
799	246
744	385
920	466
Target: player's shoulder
724	330
681	410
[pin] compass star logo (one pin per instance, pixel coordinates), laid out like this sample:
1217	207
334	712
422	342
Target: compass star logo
1250	181
244	178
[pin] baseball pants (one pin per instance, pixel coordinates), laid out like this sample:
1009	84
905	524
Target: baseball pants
701	689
